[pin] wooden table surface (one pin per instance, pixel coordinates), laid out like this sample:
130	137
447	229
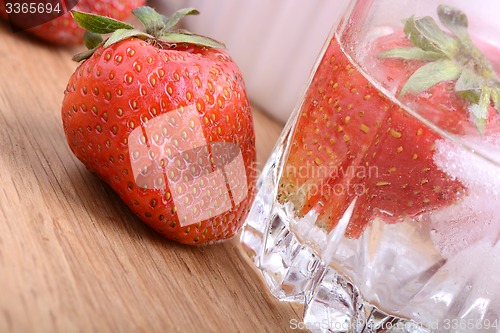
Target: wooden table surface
73	258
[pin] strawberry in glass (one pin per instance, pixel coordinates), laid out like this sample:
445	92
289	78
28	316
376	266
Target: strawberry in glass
380	200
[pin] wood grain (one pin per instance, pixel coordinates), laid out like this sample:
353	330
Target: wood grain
73	258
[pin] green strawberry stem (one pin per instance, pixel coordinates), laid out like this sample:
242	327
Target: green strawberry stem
450	56
157	29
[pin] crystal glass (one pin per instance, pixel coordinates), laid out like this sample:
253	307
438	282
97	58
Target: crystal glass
378	207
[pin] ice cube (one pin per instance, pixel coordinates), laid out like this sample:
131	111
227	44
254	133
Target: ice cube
474	218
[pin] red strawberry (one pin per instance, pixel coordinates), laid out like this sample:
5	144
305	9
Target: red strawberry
353	143
167	124
63	30
335	129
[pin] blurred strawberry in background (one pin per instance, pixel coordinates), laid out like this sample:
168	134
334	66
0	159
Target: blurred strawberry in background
64	31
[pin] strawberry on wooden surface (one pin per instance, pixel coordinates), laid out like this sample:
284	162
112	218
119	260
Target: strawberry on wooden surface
164	119
354	143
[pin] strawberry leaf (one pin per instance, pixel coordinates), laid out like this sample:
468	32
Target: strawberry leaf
174	37
177	16
157	29
411	53
91	39
84	55
479	111
431	74
98	24
426	34
122	34
153	22
468	86
454	20
495	98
